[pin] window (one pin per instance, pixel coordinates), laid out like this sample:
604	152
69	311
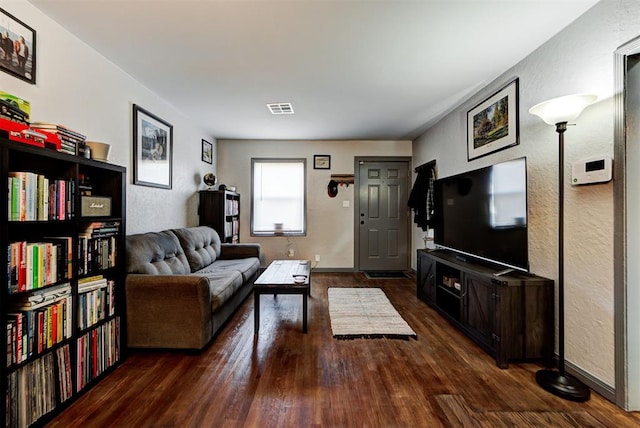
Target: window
278	197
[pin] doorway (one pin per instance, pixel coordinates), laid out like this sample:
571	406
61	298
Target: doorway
627	224
381	214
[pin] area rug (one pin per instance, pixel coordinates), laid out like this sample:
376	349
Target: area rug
365	312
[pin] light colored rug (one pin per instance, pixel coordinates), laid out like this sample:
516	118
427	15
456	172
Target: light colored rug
365	312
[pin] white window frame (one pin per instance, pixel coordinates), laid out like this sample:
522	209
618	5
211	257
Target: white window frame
256	193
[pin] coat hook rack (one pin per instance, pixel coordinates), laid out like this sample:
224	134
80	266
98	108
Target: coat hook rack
345	179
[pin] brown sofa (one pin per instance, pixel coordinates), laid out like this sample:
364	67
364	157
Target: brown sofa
183	284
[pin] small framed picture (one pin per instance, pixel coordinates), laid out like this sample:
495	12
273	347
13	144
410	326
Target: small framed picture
207	152
321	162
152	149
17	48
493	125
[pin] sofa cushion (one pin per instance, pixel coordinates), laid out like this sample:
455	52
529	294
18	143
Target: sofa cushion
201	245
156	253
223	286
246	267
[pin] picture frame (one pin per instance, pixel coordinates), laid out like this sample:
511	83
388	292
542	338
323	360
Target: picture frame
207	152
493	124
321	162
152	150
17	48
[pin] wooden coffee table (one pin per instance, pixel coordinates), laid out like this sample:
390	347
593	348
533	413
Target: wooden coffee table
280	278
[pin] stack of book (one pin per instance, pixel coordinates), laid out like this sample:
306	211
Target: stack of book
96	300
71	142
31	392
97	247
33	265
35	197
38	321
97	350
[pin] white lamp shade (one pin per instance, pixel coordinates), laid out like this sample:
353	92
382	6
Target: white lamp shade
562	109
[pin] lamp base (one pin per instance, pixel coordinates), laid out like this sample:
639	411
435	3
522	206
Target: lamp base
563	385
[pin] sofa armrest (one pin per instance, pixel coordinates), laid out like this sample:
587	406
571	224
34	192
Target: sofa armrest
239	251
168	311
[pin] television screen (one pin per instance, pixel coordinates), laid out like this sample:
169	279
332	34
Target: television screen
483	213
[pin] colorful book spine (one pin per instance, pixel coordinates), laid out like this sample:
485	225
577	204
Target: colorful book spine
34	197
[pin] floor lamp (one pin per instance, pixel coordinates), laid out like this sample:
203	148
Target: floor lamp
559	112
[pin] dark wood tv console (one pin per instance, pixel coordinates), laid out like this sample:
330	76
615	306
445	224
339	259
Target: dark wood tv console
510	315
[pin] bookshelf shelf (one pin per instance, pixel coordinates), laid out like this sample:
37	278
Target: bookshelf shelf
62	297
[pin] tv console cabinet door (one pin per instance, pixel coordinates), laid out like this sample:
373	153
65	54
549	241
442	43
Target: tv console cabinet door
480	310
426	278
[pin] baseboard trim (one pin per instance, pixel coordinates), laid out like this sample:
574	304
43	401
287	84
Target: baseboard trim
606	390
343	270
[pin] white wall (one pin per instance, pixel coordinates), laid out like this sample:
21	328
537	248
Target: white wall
330	226
81	89
579	59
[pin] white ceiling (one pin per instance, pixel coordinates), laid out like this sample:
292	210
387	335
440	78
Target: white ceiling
353	69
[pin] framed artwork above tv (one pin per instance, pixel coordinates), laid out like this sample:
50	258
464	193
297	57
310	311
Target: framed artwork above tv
493	124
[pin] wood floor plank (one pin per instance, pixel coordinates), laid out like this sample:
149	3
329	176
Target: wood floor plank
284	378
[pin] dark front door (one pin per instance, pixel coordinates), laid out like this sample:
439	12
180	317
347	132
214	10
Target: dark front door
383	215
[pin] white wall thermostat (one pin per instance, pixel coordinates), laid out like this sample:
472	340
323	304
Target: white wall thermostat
592	170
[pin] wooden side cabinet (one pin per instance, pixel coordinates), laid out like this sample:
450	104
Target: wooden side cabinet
510	316
220	209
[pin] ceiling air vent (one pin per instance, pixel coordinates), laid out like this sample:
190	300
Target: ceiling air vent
280	108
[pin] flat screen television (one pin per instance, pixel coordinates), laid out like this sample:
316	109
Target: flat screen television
483	214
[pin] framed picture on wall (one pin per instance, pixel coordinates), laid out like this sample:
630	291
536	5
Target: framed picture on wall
321	162
493	124
207	152
17	48
152	149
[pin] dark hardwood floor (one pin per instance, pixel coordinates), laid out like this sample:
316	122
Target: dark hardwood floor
288	379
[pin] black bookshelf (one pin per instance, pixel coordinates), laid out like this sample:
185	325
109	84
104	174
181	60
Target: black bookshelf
72	318
220	209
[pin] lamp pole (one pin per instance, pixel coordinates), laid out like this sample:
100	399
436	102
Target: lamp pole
558	382
561	127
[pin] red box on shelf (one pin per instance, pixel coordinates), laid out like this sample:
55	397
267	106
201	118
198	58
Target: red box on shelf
24	134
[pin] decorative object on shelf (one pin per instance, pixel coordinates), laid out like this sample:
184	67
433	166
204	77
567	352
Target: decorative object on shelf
321	162
19	40
152	150
493	124
222	187
210	180
84	151
99	151
207	152
559	112
14	108
95	206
